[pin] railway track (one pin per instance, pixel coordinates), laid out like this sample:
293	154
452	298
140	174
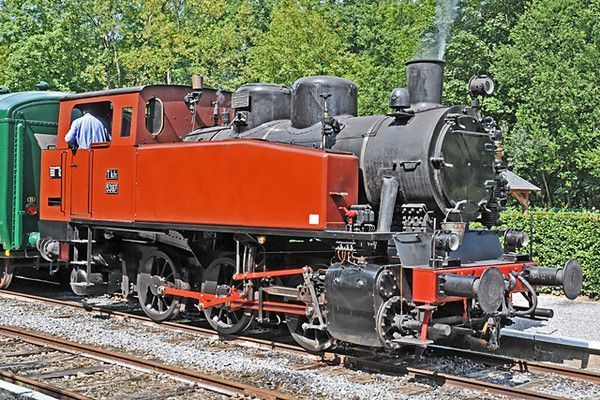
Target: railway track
71	359
390	366
38	387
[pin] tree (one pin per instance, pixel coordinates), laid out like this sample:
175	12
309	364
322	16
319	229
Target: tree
481	27
304	38
383	35
72	44
366	41
548	75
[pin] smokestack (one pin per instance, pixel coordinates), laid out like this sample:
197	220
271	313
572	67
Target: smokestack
425	79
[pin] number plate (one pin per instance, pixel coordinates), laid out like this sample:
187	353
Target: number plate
55	172
112	188
112	174
240	100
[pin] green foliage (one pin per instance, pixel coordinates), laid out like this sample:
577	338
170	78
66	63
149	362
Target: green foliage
303	39
548	76
45	43
366	41
560	235
543	54
481	27
78	45
383	35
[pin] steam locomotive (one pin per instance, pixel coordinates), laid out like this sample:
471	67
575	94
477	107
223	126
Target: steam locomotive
281	205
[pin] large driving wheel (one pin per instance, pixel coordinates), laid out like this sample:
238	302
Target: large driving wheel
159	269
6	273
218	279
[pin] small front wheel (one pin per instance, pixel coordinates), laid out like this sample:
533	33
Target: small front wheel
312	340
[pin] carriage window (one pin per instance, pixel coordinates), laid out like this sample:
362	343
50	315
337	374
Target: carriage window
126	121
154	116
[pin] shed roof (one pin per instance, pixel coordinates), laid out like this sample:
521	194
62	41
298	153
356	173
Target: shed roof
515	182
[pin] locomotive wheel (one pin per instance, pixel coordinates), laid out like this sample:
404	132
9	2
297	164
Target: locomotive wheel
222	318
384	321
63	277
6	274
312	340
159	269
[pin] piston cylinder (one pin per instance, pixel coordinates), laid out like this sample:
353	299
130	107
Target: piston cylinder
570	277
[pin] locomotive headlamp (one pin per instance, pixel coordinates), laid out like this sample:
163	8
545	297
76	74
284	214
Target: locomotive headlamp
514	239
481	85
447	241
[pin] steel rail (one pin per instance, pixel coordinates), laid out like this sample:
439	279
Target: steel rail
518	364
451	380
42	387
267	344
208	382
356	362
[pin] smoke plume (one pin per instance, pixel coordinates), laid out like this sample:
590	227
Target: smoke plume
220	97
433	44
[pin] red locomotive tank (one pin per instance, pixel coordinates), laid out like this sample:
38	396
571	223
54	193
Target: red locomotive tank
138	177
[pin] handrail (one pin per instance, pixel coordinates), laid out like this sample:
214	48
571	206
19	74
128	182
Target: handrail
18	187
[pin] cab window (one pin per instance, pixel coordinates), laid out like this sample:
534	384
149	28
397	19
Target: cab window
102	110
154	116
126	113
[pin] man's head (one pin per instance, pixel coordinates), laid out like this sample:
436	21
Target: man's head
93	108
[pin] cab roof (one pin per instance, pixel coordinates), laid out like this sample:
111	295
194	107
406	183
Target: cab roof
114	92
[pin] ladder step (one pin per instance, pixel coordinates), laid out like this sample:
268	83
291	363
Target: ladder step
81	263
412	341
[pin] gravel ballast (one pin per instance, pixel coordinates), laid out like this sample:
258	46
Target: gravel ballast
276	370
579	318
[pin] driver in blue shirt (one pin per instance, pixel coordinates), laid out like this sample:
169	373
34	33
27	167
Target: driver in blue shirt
88	129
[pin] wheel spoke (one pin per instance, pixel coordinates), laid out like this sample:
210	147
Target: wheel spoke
163	268
225	321
154	270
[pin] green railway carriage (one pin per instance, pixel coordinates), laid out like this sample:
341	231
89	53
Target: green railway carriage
28	122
